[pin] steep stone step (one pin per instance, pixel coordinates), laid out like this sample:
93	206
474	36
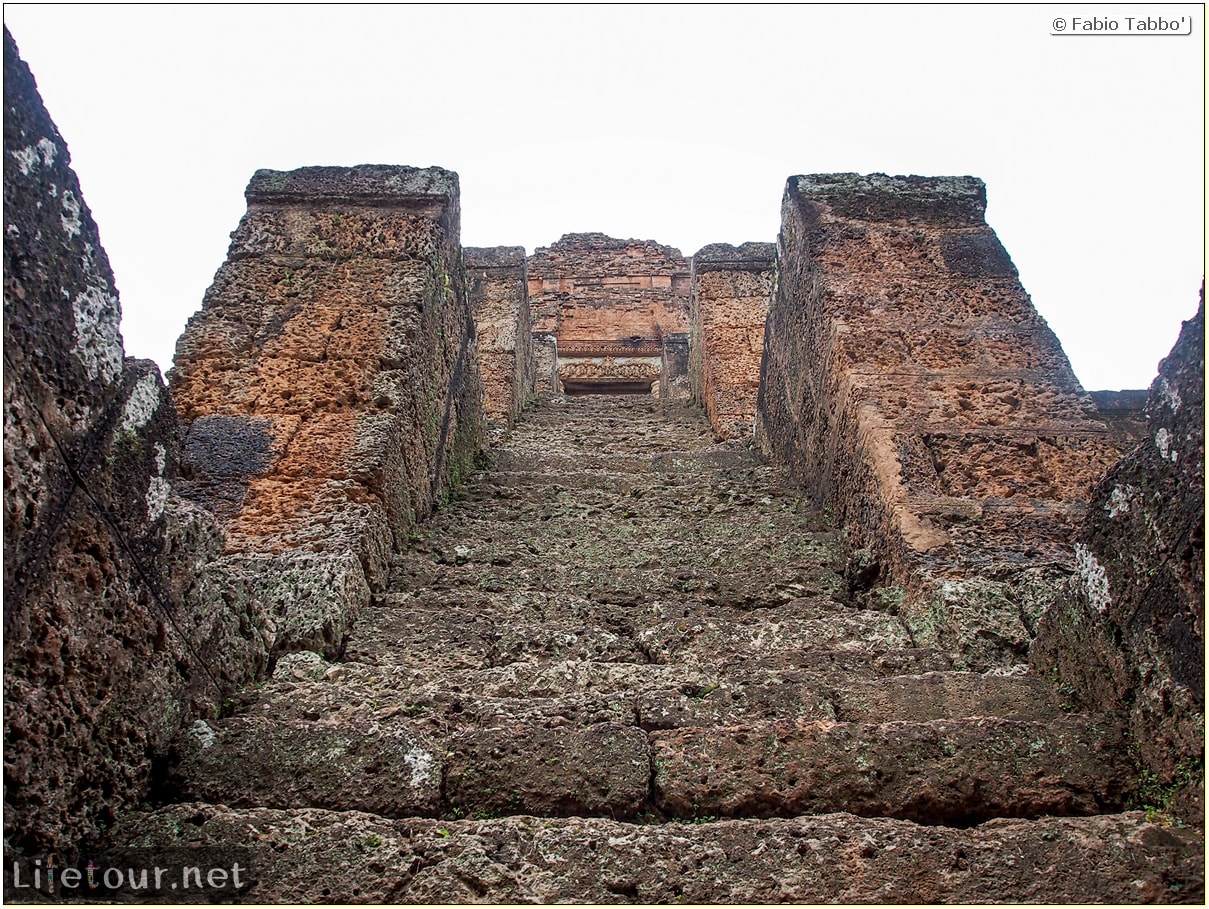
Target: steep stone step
602	770
950	772
941	695
627	459
356	762
628	439
716	585
623	620
635	431
615	412
630	541
315	855
938	772
528	603
942	772
846	673
347	740
451	636
646	505
519	488
651	696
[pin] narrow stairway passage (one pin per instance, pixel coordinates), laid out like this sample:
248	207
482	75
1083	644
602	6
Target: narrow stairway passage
622	666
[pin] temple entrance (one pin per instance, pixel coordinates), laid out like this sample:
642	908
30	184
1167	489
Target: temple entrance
575	388
610	367
609	317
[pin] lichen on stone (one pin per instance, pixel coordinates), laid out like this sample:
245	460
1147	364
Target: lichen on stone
142	404
1093	577
1120	500
203	733
71	214
98	345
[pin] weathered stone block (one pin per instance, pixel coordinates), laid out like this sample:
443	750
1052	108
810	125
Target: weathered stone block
940	772
597	770
588	290
354	765
939	695
833	859
499	294
731	288
674	368
230	632
310	600
339	332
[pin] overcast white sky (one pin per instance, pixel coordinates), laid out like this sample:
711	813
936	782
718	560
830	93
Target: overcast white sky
673	123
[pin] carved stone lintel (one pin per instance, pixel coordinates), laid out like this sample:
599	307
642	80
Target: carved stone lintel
610	369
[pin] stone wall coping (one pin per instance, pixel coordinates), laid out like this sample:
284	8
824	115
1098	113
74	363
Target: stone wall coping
959	201
725	257
494	256
596	242
365	183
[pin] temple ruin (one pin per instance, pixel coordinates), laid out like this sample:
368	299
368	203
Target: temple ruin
798	571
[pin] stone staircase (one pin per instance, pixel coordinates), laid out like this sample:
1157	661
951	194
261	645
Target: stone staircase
623	667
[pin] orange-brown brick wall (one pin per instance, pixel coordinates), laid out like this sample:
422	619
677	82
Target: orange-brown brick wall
594	287
329	384
731	287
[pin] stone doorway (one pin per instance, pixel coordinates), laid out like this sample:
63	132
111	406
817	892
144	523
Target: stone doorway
574	388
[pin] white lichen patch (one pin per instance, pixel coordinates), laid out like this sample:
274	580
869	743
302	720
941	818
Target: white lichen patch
1169	396
98	345
1162	441
157	497
1016	670
157	490
142	404
48	150
29	157
1120	500
71	214
205	735
1093	577
423	766
300	665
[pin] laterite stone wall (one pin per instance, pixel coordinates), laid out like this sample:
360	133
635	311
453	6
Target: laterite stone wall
912	387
